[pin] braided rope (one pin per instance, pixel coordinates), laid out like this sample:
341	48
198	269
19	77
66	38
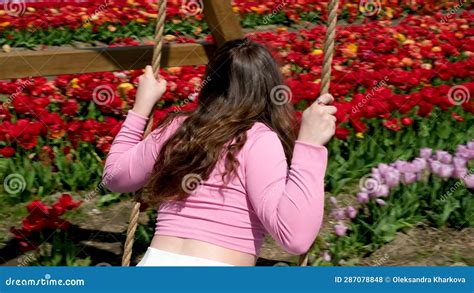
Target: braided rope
329	46
326	74
133	223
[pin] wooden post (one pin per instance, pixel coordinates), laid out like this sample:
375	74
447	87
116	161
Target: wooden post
223	22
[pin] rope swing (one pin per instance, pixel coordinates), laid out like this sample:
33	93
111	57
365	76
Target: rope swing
326	74
325	81
133	223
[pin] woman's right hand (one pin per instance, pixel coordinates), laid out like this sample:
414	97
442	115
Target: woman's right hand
318	123
149	92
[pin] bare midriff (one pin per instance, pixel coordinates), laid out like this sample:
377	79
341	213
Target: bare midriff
198	248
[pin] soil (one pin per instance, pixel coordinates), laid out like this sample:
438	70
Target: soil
101	232
426	246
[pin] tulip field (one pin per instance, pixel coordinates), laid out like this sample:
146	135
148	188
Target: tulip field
402	158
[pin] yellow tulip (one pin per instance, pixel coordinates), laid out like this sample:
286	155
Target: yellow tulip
74	84
123	88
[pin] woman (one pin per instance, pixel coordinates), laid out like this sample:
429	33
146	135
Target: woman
230	172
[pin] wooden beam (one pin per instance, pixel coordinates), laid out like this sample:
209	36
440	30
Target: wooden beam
54	61
223	22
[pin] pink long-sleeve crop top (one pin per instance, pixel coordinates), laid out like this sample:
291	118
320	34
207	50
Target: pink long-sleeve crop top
266	197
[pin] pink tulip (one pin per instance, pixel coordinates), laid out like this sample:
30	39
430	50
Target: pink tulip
351	212
460	173
426	153
409	178
340	229
382	191
435	166
446	170
444	157
380	201
362	197
459	162
469	181
339	214
383	167
326	256
418	165
392	178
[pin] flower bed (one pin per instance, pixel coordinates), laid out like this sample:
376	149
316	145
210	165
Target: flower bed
112	21
411	85
432	188
397	89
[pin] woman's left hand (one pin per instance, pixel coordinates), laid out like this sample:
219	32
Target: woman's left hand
149	92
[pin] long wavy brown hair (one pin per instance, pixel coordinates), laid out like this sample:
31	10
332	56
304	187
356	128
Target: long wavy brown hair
241	86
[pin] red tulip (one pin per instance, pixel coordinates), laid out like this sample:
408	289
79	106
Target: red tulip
392	124
342	133
407	121
67	203
37	206
70	108
457	117
7	152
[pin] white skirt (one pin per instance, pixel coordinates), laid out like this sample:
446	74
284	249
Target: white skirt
157	258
